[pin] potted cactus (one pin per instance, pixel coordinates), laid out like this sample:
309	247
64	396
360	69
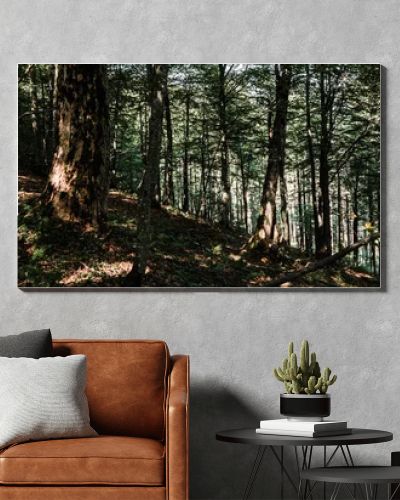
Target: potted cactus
306	386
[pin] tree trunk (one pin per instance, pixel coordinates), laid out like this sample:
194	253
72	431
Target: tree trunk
348	218
245	183
339	210
37	160
204	168
300	210
169	198
371	220
225	167
266	234
311	158
115	138
44	128
54	109
355	215
155	78
78	181
185	205
308	225
285	231
202	198
142	134
325	245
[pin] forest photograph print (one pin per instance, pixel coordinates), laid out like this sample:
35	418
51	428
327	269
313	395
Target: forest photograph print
199	175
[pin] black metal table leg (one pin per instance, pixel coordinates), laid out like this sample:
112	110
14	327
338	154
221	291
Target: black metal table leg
324	466
370	492
254	471
284	470
279	456
282	491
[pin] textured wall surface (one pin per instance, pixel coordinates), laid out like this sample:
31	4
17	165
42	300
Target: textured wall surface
234	339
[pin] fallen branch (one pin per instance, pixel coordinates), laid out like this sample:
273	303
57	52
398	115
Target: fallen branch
318	264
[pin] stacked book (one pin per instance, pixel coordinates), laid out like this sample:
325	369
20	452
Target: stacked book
303	428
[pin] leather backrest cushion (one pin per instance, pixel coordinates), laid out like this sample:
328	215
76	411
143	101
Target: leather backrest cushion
126	386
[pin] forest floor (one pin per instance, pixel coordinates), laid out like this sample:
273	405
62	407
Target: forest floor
185	251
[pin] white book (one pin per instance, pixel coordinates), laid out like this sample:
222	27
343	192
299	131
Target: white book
303	425
311	434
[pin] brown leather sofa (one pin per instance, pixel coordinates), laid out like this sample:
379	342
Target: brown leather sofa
139	401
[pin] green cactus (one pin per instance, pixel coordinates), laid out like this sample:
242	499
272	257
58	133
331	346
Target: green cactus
306	377
325	382
311	384
304	357
297	387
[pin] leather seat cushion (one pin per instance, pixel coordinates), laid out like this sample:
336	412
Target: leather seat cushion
102	460
82	492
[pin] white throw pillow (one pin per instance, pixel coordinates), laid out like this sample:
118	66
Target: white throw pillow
43	399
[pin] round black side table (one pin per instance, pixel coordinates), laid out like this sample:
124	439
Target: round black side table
370	477
303	450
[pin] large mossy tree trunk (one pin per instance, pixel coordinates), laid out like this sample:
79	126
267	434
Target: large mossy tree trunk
266	233
79	176
156	74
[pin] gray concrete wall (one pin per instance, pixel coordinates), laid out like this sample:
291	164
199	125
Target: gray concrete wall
234	339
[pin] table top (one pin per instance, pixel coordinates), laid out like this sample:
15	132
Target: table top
249	436
353	475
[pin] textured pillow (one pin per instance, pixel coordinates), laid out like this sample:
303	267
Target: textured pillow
43	399
34	344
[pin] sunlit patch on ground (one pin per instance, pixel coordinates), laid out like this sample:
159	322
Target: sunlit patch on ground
98	275
184	252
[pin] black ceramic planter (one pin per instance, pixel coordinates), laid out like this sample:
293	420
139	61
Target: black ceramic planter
315	406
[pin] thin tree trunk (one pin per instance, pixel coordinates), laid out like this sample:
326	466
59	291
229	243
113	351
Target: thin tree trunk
244	190
186	200
156	188
35	125
54	110
285	231
311	158
117	106
225	167
204	169
371	220
142	135
155	77
355	215
339	210
44	129
300	209
169	198
348	218
325	247
192	173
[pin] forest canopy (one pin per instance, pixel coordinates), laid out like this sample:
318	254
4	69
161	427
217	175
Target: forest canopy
199	175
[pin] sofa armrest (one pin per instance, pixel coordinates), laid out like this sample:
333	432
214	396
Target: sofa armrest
177	431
